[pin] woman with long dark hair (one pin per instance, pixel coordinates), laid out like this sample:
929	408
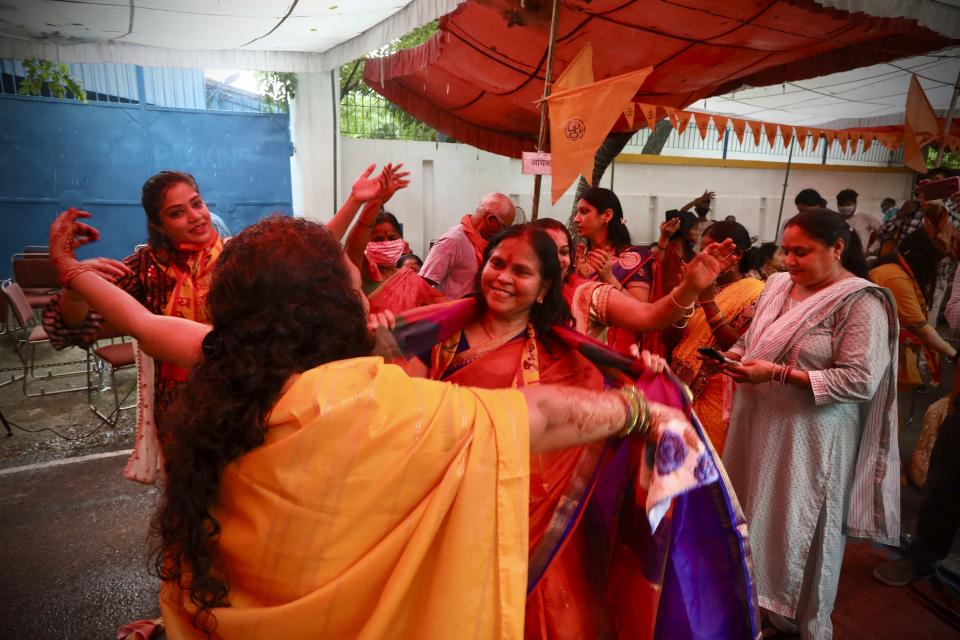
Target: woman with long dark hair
313	490
812	445
608	255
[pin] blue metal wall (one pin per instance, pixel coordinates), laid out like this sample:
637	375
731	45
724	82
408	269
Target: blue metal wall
55	154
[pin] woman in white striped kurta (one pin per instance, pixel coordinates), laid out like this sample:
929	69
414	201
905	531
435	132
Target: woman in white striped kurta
812	448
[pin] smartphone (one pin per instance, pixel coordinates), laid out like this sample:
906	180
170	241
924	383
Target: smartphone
941	189
712	353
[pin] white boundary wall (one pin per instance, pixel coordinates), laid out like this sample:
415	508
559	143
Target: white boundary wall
447	181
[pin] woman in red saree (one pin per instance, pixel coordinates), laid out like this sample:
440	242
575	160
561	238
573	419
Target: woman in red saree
510	340
598	307
375	245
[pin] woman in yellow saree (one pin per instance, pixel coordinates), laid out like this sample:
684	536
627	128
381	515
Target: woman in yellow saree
725	312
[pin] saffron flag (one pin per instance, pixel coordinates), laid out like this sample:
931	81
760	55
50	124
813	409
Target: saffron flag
578	73
739	128
721	124
683	119
801	133
580	119
755	130
771	131
650	113
703	122
920	127
867	141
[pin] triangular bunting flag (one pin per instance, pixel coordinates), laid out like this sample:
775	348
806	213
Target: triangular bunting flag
868	141
920	127
721	123
673	114
578	73
630	113
788	134
755	130
580	120
801	133
739	128
771	131
855	138
703	122
683	119
650	113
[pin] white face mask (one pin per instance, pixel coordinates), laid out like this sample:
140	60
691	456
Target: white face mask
847	211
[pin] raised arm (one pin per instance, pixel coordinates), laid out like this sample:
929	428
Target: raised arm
626	312
391	180
173	340
364	190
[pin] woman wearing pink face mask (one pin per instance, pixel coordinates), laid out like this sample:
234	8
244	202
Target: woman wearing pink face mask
375	246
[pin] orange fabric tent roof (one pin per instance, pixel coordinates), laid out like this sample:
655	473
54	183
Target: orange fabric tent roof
478	79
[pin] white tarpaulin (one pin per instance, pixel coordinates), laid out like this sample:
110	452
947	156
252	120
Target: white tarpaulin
269	35
866	97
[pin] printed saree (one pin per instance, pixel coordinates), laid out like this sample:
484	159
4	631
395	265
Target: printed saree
401	291
713	395
628	538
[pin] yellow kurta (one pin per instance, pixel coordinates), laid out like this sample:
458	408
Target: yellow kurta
380	506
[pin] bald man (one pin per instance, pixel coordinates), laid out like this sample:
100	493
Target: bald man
455	258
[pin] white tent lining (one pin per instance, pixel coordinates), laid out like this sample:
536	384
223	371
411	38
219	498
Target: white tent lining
416	13
938	15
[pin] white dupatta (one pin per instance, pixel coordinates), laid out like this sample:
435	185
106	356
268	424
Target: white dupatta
875	500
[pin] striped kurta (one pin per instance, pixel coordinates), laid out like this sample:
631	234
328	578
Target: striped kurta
796	456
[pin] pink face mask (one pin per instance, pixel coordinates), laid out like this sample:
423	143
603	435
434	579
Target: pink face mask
386	253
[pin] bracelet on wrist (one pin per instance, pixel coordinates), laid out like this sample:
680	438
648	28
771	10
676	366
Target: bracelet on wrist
638	418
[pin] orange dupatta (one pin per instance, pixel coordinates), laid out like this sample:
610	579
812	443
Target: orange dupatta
478	242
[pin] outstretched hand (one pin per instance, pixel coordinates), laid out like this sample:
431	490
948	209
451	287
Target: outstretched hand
392	180
389	181
66	234
713	260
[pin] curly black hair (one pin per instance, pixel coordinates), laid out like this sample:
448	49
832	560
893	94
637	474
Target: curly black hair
553	310
281	302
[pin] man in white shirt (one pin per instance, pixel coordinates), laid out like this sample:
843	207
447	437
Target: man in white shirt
454	260
863	224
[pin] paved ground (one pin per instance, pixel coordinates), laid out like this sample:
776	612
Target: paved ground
74	535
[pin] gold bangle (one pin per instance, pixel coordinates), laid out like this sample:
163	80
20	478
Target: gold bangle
689	309
638	422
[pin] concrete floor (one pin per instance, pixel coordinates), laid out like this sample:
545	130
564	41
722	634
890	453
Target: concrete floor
74	532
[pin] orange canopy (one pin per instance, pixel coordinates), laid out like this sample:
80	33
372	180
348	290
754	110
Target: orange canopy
478	79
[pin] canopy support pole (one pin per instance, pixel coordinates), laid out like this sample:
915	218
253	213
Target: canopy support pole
783	194
947	123
547	79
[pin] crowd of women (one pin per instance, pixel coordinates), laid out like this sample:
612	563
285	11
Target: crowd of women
349	454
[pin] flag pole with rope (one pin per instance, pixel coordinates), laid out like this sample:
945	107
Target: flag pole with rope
547	79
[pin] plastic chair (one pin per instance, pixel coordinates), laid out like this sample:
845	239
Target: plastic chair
37	276
32	334
118	356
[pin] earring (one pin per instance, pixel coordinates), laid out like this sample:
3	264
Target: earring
540	300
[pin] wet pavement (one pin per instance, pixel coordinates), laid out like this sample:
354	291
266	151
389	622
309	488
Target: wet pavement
74	551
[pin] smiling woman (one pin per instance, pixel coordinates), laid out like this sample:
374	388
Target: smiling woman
170	276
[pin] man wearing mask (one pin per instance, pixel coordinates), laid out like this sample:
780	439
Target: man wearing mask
889	209
863	224
454	260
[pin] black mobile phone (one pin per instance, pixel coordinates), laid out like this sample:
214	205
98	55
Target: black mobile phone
712	353
940	189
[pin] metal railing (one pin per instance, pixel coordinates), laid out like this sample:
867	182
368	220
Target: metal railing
172	88
365	115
